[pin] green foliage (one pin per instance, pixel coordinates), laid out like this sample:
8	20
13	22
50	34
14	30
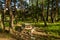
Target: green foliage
6	24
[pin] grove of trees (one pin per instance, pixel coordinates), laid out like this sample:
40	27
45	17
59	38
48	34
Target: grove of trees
34	10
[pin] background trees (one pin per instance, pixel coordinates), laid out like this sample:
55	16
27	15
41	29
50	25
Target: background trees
33	10
39	13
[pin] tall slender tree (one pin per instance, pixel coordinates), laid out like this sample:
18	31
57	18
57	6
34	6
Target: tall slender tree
52	12
43	13
32	13
56	10
47	10
12	15
7	5
37	10
6	12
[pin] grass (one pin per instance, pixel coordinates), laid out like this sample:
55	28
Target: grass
50	29
51	26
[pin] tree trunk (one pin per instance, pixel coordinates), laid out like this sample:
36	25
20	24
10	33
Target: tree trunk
43	13
37	10
7	7
47	10
11	20
56	10
3	21
52	12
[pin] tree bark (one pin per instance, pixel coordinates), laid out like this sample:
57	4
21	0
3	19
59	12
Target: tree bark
3	20
56	10
52	12
47	10
43	13
11	19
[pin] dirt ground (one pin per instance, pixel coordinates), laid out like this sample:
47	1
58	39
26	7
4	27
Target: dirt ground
7	39
4	37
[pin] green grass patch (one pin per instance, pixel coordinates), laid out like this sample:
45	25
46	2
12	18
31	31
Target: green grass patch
52	28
